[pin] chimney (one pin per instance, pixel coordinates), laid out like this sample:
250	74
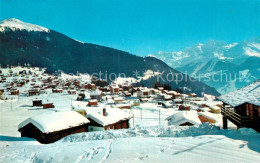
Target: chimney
104	112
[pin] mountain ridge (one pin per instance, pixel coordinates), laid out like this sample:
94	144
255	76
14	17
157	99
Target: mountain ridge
57	51
216	57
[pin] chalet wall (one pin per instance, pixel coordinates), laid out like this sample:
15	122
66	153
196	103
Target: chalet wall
33	132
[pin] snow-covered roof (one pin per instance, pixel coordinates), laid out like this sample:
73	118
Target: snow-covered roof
113	115
15	24
247	94
173	92
55	121
208	115
183	117
122	105
118	98
95	93
93	100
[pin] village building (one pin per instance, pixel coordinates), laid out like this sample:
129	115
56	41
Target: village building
207	117
52	126
143	92
160	89
118	99
37	102
107	118
123	106
14	92
57	90
192	95
166	104
242	107
46	104
33	92
126	94
114	90
184	108
97	94
90	86
93	103
184	118
177	101
136	102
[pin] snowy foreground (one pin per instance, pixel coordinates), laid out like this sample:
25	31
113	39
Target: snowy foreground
203	143
147	141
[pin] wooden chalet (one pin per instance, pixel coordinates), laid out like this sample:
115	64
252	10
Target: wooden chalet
37	102
184	118
93	103
143	93
184	108
14	92
118	99
242	107
105	119
57	90
52	126
33	92
178	101
114	90
47	105
96	95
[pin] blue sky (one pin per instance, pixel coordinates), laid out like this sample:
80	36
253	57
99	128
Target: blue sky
142	26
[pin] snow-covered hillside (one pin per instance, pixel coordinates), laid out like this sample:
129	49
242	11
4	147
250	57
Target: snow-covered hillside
15	24
150	138
140	144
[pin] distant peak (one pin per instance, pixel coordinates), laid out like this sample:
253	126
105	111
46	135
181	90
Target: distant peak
15	24
13	20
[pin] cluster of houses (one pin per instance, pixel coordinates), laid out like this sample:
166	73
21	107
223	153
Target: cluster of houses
105	106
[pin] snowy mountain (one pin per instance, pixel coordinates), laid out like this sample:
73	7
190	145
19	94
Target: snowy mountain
218	59
26	43
15	24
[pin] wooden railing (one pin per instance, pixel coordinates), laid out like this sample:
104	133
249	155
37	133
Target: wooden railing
246	121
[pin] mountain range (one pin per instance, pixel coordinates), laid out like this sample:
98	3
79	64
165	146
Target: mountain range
25	43
223	66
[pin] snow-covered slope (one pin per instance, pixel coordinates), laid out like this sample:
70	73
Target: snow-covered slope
15	24
140	144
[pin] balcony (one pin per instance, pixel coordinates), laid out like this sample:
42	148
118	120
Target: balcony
240	121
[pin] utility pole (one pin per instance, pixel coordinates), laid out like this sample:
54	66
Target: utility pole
159	116
11	105
141	113
133	120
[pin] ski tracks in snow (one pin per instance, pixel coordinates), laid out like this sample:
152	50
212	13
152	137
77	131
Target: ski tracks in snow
89	155
109	151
